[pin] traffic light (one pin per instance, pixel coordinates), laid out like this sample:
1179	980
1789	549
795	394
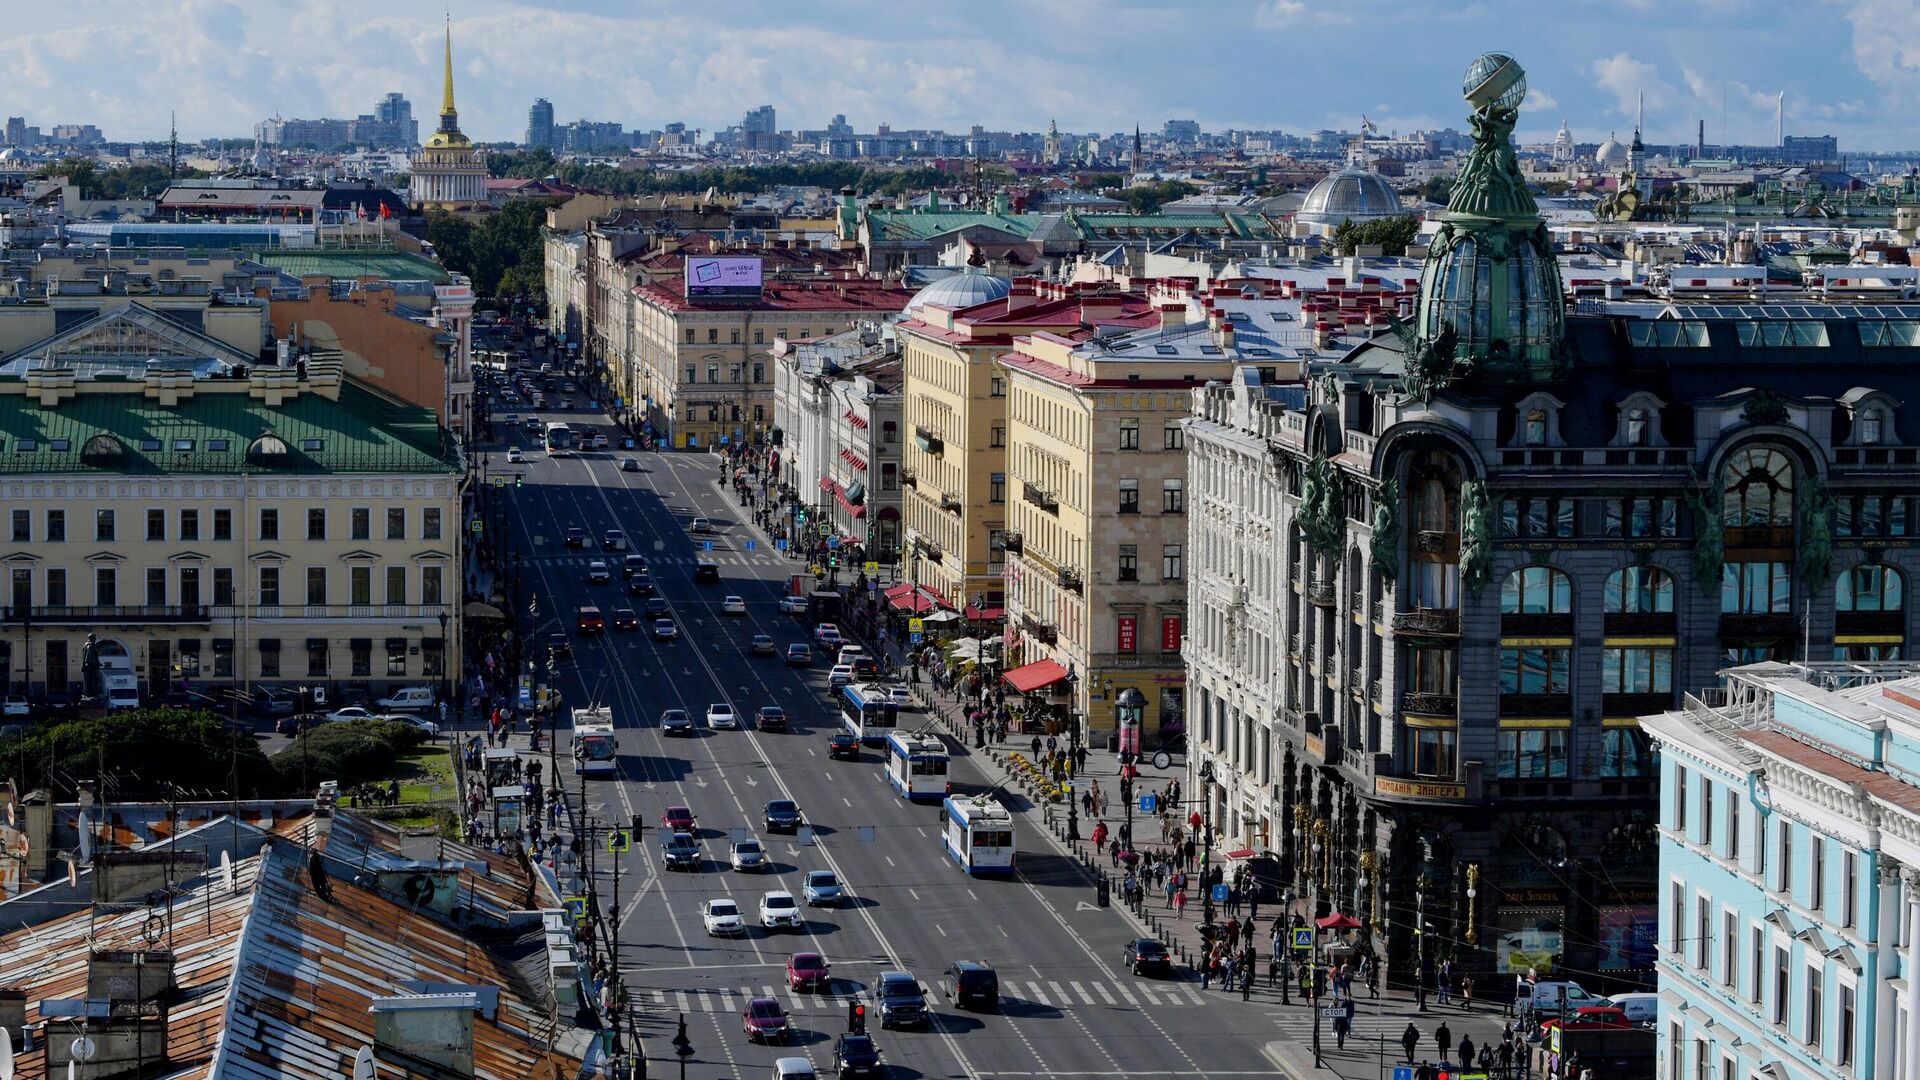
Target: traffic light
519	478
856	1017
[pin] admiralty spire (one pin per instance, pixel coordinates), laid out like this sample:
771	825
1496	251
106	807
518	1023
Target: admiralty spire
449	171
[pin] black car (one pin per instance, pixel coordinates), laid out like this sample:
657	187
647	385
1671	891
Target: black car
855	1055
783	815
706	571
632	565
558	645
1146	956
771	718
676	722
657	606
682	852
640	585
843	744
625	619
973	985
576	538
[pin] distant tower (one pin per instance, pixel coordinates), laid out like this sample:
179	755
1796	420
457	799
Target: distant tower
1780	120
1134	165
449	171
1051	152
540	123
1563	145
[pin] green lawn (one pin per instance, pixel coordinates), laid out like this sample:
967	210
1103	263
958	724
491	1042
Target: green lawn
427	788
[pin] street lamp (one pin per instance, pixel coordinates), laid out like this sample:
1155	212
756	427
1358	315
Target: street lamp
683	1046
445	651
1131	706
1313	958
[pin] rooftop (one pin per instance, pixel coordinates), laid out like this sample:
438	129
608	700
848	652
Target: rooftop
830	294
391	265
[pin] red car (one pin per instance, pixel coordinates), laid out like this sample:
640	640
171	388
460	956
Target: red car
677	819
764	1019
807	971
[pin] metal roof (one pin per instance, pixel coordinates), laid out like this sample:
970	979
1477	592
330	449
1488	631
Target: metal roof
385	265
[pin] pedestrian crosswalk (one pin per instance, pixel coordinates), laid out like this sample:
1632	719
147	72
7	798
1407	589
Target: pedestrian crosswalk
723	558
1047	993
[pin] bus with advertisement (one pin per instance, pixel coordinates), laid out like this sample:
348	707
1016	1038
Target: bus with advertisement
595	745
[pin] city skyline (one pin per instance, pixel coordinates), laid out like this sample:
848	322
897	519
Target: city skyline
220	67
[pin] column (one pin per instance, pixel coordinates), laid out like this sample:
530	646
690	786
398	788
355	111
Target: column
1909	1048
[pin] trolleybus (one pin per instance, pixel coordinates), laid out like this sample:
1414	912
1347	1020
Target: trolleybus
868	713
559	439
594	743
917	766
978	834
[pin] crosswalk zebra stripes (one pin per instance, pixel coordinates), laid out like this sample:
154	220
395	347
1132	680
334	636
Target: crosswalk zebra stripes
1046	993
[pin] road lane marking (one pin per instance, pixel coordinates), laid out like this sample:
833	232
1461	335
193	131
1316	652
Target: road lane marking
1059	993
1082	991
1121	988
889	859
942	929
912	893
1101	989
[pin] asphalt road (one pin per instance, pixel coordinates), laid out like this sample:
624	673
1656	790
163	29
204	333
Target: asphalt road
1068	1008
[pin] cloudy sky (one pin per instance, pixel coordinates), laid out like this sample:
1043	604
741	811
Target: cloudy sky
1848	67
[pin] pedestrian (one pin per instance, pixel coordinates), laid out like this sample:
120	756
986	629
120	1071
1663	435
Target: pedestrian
1169	890
1443	981
1246	981
1246	932
1410	1039
1273	970
1342	1024
1466	1052
1206	969
1180	904
1506	1056
1253	904
1443	1036
1466	992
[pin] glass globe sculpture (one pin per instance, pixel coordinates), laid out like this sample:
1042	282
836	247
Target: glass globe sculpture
1494	80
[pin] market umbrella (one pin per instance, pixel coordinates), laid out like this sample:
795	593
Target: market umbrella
941	618
1339	920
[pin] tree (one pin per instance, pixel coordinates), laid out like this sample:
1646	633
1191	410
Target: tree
1098	181
503	253
146	750
1437	189
1392	234
1148	198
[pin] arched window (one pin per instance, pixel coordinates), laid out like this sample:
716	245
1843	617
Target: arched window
1639	590
1872	423
1869	588
1536	590
1757	486
1636	427
1436	506
268	449
1536	427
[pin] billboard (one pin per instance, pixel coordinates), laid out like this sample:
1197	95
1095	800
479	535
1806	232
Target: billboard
710	277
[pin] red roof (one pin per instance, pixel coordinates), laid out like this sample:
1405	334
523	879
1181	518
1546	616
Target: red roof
1030	677
830	294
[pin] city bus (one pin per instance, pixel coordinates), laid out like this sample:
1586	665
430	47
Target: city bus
978	834
868	713
594	743
559	439
917	766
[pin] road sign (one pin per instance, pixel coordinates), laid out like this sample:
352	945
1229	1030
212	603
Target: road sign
476	526
1555	1044
1303	939
826	528
780	544
619	841
871	567
1403	1072
752	544
1149	803
499	481
1222	893
916	625
913	638
833	542
577	906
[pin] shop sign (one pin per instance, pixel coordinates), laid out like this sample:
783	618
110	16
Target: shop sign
1418	789
1129	633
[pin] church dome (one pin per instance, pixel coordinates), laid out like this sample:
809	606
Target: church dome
1611	155
1352	194
962	290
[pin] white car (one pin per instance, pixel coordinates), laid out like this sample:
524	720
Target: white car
778	909
720	717
514	456
900	695
723	918
733	605
352	712
841	675
15	705
850	653
702	525
793	605
420	722
748	856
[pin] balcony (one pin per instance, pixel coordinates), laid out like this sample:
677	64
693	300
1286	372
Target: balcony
1430	704
927	440
1757	626
110	615
951	504
1070	580
1326	747
910	477
1320	593
1640	625
1045	500
1555	705
1428	622
1012	541
1038	630
1635	704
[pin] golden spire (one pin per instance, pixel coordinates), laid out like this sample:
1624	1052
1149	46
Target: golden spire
446	103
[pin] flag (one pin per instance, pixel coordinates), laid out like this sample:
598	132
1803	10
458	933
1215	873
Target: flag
386	211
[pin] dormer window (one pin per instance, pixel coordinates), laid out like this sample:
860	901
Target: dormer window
1871	425
1638	421
1873	417
1536	428
1636	427
1536	421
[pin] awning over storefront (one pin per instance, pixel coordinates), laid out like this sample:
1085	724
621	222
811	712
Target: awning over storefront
1030	677
901	589
853	459
826	483
985	614
849	506
915	599
855	419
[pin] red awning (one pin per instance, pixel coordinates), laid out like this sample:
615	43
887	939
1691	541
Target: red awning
901	589
856	511
1030	677
853	459
854	419
1338	921
917	600
826	483
985	614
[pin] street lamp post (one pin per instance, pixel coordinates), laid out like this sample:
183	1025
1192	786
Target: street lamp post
1313	958
1130	706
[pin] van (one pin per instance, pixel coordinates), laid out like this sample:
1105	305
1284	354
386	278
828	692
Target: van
848	653
793	1068
122	692
1640	1008
972	985
411	699
1549	997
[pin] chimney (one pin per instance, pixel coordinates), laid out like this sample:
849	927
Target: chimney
13	1013
435	1030
1021	295
130	976
1224	336
1173	314
37	816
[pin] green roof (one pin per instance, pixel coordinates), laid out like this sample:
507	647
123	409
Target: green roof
922	224
1091	226
363	432
347	265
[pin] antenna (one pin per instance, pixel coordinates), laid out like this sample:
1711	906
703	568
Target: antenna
1780	119
173	146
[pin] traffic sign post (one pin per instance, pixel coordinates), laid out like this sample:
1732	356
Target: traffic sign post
1302	939
1149	804
833	541
871	567
916	626
913	638
1222	893
619	841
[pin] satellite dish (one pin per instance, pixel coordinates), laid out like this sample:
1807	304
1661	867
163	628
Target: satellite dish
362	1065
83	1049
6	1054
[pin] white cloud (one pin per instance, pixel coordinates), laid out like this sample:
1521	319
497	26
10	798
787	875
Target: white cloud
1282	14
1624	78
1886	45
